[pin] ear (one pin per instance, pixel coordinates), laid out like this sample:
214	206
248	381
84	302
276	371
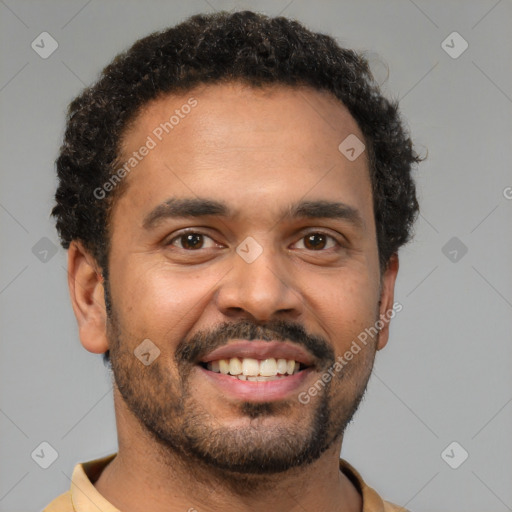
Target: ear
387	296
87	298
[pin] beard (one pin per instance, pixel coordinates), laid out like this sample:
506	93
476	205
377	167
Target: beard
269	437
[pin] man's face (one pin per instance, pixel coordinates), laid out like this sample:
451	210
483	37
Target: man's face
220	282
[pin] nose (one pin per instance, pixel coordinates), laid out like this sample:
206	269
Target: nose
263	289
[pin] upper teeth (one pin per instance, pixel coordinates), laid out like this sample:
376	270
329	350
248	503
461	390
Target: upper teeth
254	367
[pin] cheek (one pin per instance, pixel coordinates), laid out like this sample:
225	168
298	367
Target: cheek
159	303
346	306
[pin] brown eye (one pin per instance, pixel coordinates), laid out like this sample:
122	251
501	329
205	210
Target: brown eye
315	241
190	241
318	241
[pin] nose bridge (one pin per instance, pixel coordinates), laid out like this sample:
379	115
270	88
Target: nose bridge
260	283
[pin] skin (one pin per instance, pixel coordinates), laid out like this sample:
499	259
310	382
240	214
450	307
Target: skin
259	151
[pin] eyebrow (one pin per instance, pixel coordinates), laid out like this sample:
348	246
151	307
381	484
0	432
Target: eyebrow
177	208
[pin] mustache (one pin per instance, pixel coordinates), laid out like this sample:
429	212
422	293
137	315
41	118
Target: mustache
205	341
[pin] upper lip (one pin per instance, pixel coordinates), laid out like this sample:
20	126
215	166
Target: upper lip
259	349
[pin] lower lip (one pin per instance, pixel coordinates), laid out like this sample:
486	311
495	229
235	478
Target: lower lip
253	391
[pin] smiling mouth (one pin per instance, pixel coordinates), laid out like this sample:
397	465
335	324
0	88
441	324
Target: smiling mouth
256	370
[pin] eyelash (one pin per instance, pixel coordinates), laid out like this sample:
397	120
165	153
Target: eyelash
195	232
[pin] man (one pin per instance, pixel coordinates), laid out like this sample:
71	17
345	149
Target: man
233	193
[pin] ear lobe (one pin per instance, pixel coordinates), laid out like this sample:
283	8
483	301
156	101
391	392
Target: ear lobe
387	297
86	290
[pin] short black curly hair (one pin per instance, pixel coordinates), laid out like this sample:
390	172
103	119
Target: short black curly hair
246	47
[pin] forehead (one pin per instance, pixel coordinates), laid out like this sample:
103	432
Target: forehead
228	139
249	112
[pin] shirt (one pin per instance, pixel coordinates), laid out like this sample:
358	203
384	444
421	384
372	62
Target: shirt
83	496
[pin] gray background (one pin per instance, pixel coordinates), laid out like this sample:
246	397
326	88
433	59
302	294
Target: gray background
445	374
